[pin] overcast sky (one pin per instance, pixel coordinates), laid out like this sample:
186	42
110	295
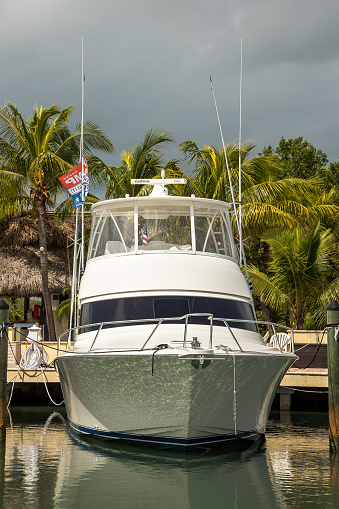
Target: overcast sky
148	63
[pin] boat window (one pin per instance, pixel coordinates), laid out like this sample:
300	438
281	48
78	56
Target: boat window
140	308
162	228
213	232
168	307
111	234
223	308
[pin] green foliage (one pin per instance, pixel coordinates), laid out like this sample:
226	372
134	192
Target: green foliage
64	309
302	275
298	158
145	160
16	308
330	176
36	151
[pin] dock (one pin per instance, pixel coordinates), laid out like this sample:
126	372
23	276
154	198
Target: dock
29	384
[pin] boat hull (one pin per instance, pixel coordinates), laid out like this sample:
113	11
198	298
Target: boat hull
171	400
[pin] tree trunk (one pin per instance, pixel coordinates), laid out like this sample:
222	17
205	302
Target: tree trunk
298	312
287	319
44	269
26	307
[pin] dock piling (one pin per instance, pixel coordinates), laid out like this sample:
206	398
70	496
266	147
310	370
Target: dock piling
4	317
333	374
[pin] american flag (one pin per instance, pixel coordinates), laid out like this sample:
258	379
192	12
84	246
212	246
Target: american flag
144	236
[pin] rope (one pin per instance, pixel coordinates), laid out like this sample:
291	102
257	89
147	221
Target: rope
303	390
13	382
304	346
33	357
50	397
317	351
157	348
229	350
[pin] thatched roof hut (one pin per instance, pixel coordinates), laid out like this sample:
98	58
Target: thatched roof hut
19	256
20	272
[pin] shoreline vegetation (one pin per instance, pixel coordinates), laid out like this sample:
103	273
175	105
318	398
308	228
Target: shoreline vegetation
289	203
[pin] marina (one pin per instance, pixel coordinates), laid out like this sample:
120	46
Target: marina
169	303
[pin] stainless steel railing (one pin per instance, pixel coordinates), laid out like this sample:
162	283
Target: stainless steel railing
287	346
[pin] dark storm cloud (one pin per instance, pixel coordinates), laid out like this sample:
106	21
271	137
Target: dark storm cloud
148	63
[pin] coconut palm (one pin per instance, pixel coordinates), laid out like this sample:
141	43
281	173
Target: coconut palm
33	154
145	160
302	273
268	202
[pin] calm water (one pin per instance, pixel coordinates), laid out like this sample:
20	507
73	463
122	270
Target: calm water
46	467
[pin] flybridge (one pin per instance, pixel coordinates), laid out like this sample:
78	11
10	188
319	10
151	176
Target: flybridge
160	223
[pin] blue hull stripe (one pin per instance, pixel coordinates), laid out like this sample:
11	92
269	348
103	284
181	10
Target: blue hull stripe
163	441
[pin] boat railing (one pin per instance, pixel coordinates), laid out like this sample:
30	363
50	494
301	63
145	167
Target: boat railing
282	341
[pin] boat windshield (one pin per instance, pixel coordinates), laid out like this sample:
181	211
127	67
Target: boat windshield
161	227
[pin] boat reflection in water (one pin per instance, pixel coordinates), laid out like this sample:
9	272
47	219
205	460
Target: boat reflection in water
46	467
153	478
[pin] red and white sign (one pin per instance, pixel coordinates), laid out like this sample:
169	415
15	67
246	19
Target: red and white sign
73	179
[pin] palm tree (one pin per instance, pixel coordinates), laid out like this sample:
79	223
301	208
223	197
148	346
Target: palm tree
209	176
33	154
145	160
302	273
267	201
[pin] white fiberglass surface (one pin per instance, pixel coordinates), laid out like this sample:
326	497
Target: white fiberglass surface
136	336
145	225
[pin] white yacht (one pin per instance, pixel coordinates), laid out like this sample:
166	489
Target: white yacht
167	352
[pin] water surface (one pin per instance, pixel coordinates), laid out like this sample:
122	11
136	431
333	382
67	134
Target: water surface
46	467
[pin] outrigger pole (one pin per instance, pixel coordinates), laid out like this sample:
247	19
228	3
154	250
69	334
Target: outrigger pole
242	258
82	160
226	158
229	175
73	322
240	97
